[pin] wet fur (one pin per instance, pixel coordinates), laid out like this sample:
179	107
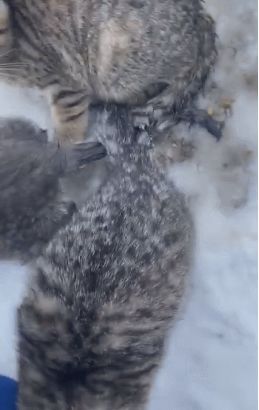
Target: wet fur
153	55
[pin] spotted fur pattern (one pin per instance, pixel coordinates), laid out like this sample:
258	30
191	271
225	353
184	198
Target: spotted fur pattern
93	325
153	55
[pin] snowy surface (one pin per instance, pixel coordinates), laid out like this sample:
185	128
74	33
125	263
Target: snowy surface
211	360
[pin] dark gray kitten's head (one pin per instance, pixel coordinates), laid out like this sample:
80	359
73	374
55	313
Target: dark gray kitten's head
32	205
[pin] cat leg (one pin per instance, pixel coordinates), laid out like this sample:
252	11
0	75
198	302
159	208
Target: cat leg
70	115
5	29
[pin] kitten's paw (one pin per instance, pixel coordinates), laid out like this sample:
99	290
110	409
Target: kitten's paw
5	28
195	116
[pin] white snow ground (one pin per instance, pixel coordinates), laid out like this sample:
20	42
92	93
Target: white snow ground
211	360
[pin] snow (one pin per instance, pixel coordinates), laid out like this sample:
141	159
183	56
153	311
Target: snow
210	360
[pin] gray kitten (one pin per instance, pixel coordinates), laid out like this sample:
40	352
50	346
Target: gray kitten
32	205
93	325
152	55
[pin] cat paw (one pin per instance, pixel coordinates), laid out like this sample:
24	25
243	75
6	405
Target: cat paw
195	116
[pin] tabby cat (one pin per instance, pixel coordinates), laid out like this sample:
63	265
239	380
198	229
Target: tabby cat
153	55
103	295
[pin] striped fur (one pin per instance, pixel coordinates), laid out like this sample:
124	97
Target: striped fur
93	325
153	55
